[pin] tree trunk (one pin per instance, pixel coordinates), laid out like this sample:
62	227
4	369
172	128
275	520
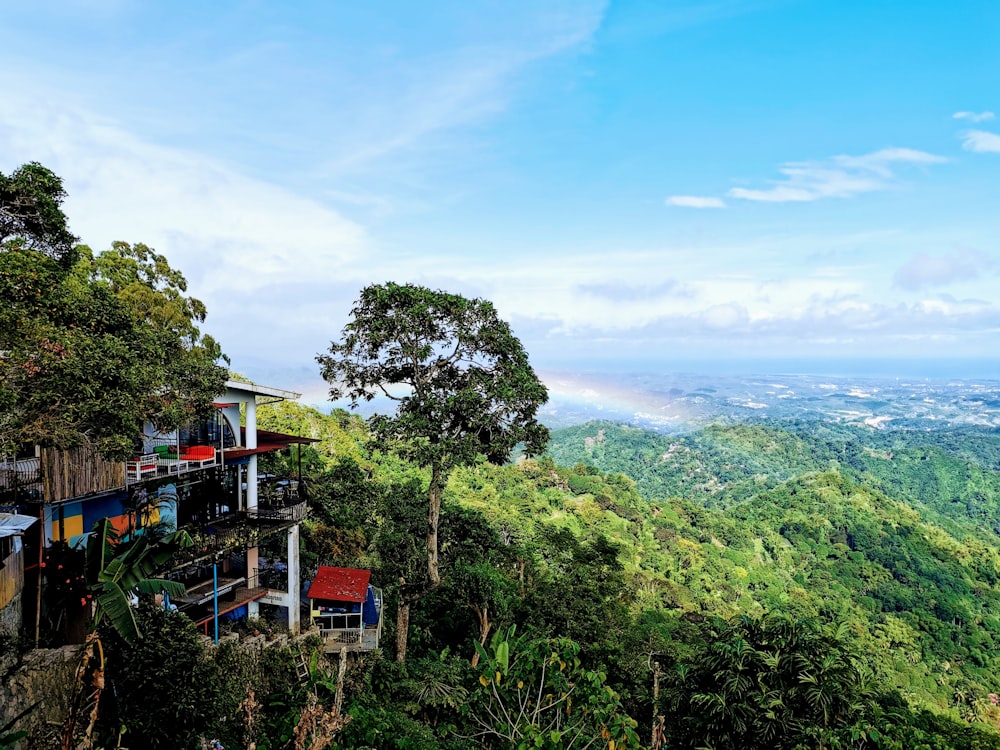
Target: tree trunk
433	517
482	615
402	625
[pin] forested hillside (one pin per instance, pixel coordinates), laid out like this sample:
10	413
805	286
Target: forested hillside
797	542
894	531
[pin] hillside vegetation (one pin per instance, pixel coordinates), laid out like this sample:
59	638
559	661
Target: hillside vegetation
893	532
820	544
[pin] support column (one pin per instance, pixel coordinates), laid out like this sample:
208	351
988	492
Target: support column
253	554
253	566
251	426
294	606
252	483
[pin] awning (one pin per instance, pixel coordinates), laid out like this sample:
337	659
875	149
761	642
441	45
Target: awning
267	442
13	523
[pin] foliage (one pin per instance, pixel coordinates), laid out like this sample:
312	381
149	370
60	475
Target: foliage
93	346
771	682
167	691
116	572
470	389
536	694
31	214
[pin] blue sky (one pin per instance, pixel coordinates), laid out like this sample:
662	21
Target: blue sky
632	183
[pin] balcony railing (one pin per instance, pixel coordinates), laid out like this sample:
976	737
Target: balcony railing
286	513
239	530
20	477
347	630
164	455
230	589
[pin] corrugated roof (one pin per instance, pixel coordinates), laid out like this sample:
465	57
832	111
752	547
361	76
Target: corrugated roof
12	523
340	584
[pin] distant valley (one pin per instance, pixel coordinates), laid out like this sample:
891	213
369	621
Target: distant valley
678	403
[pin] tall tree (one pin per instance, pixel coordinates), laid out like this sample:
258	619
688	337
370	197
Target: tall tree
460	379
31	213
91	347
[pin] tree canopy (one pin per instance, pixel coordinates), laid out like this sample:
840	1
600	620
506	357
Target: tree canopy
31	212
460	379
91	346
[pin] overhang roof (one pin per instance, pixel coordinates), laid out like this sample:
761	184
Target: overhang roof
12	523
267	442
340	584
261	390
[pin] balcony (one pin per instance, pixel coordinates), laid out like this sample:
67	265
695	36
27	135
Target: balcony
280	502
284	514
231	586
230	532
347	631
20	479
165	455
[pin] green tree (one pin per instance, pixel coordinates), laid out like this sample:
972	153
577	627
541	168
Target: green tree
460	379
91	346
117	571
31	213
536	693
770	682
168	691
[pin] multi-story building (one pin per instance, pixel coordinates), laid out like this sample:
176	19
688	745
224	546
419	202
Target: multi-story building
202	478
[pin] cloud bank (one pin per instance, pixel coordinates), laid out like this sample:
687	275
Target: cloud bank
924	270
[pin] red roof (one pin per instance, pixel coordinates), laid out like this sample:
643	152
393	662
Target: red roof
340	584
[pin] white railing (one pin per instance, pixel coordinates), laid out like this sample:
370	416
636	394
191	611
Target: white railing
19	472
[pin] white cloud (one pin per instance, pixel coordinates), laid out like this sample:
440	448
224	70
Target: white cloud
974	116
838	177
981	141
232	231
923	270
695	201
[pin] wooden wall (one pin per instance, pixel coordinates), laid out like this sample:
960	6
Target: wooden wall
78	472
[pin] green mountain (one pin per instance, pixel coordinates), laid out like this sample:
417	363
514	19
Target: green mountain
893	532
630	543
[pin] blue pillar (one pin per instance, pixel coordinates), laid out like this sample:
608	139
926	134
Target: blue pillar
215	598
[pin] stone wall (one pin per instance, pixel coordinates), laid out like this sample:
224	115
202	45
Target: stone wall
45	676
48	675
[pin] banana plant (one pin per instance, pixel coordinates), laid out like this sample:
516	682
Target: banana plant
116	571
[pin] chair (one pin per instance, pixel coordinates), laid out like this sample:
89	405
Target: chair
138	467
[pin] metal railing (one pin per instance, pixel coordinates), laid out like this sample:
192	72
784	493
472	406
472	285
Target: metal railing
21	478
290	513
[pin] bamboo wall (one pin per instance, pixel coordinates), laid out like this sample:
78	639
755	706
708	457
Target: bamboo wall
78	472
12	577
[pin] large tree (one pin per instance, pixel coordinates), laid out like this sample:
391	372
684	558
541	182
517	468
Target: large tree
91	346
31	213
460	379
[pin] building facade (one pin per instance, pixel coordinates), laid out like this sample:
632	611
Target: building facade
204	479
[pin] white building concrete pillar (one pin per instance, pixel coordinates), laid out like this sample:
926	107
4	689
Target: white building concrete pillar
251	425
294	608
252	483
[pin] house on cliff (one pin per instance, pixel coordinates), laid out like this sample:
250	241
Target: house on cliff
202	478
